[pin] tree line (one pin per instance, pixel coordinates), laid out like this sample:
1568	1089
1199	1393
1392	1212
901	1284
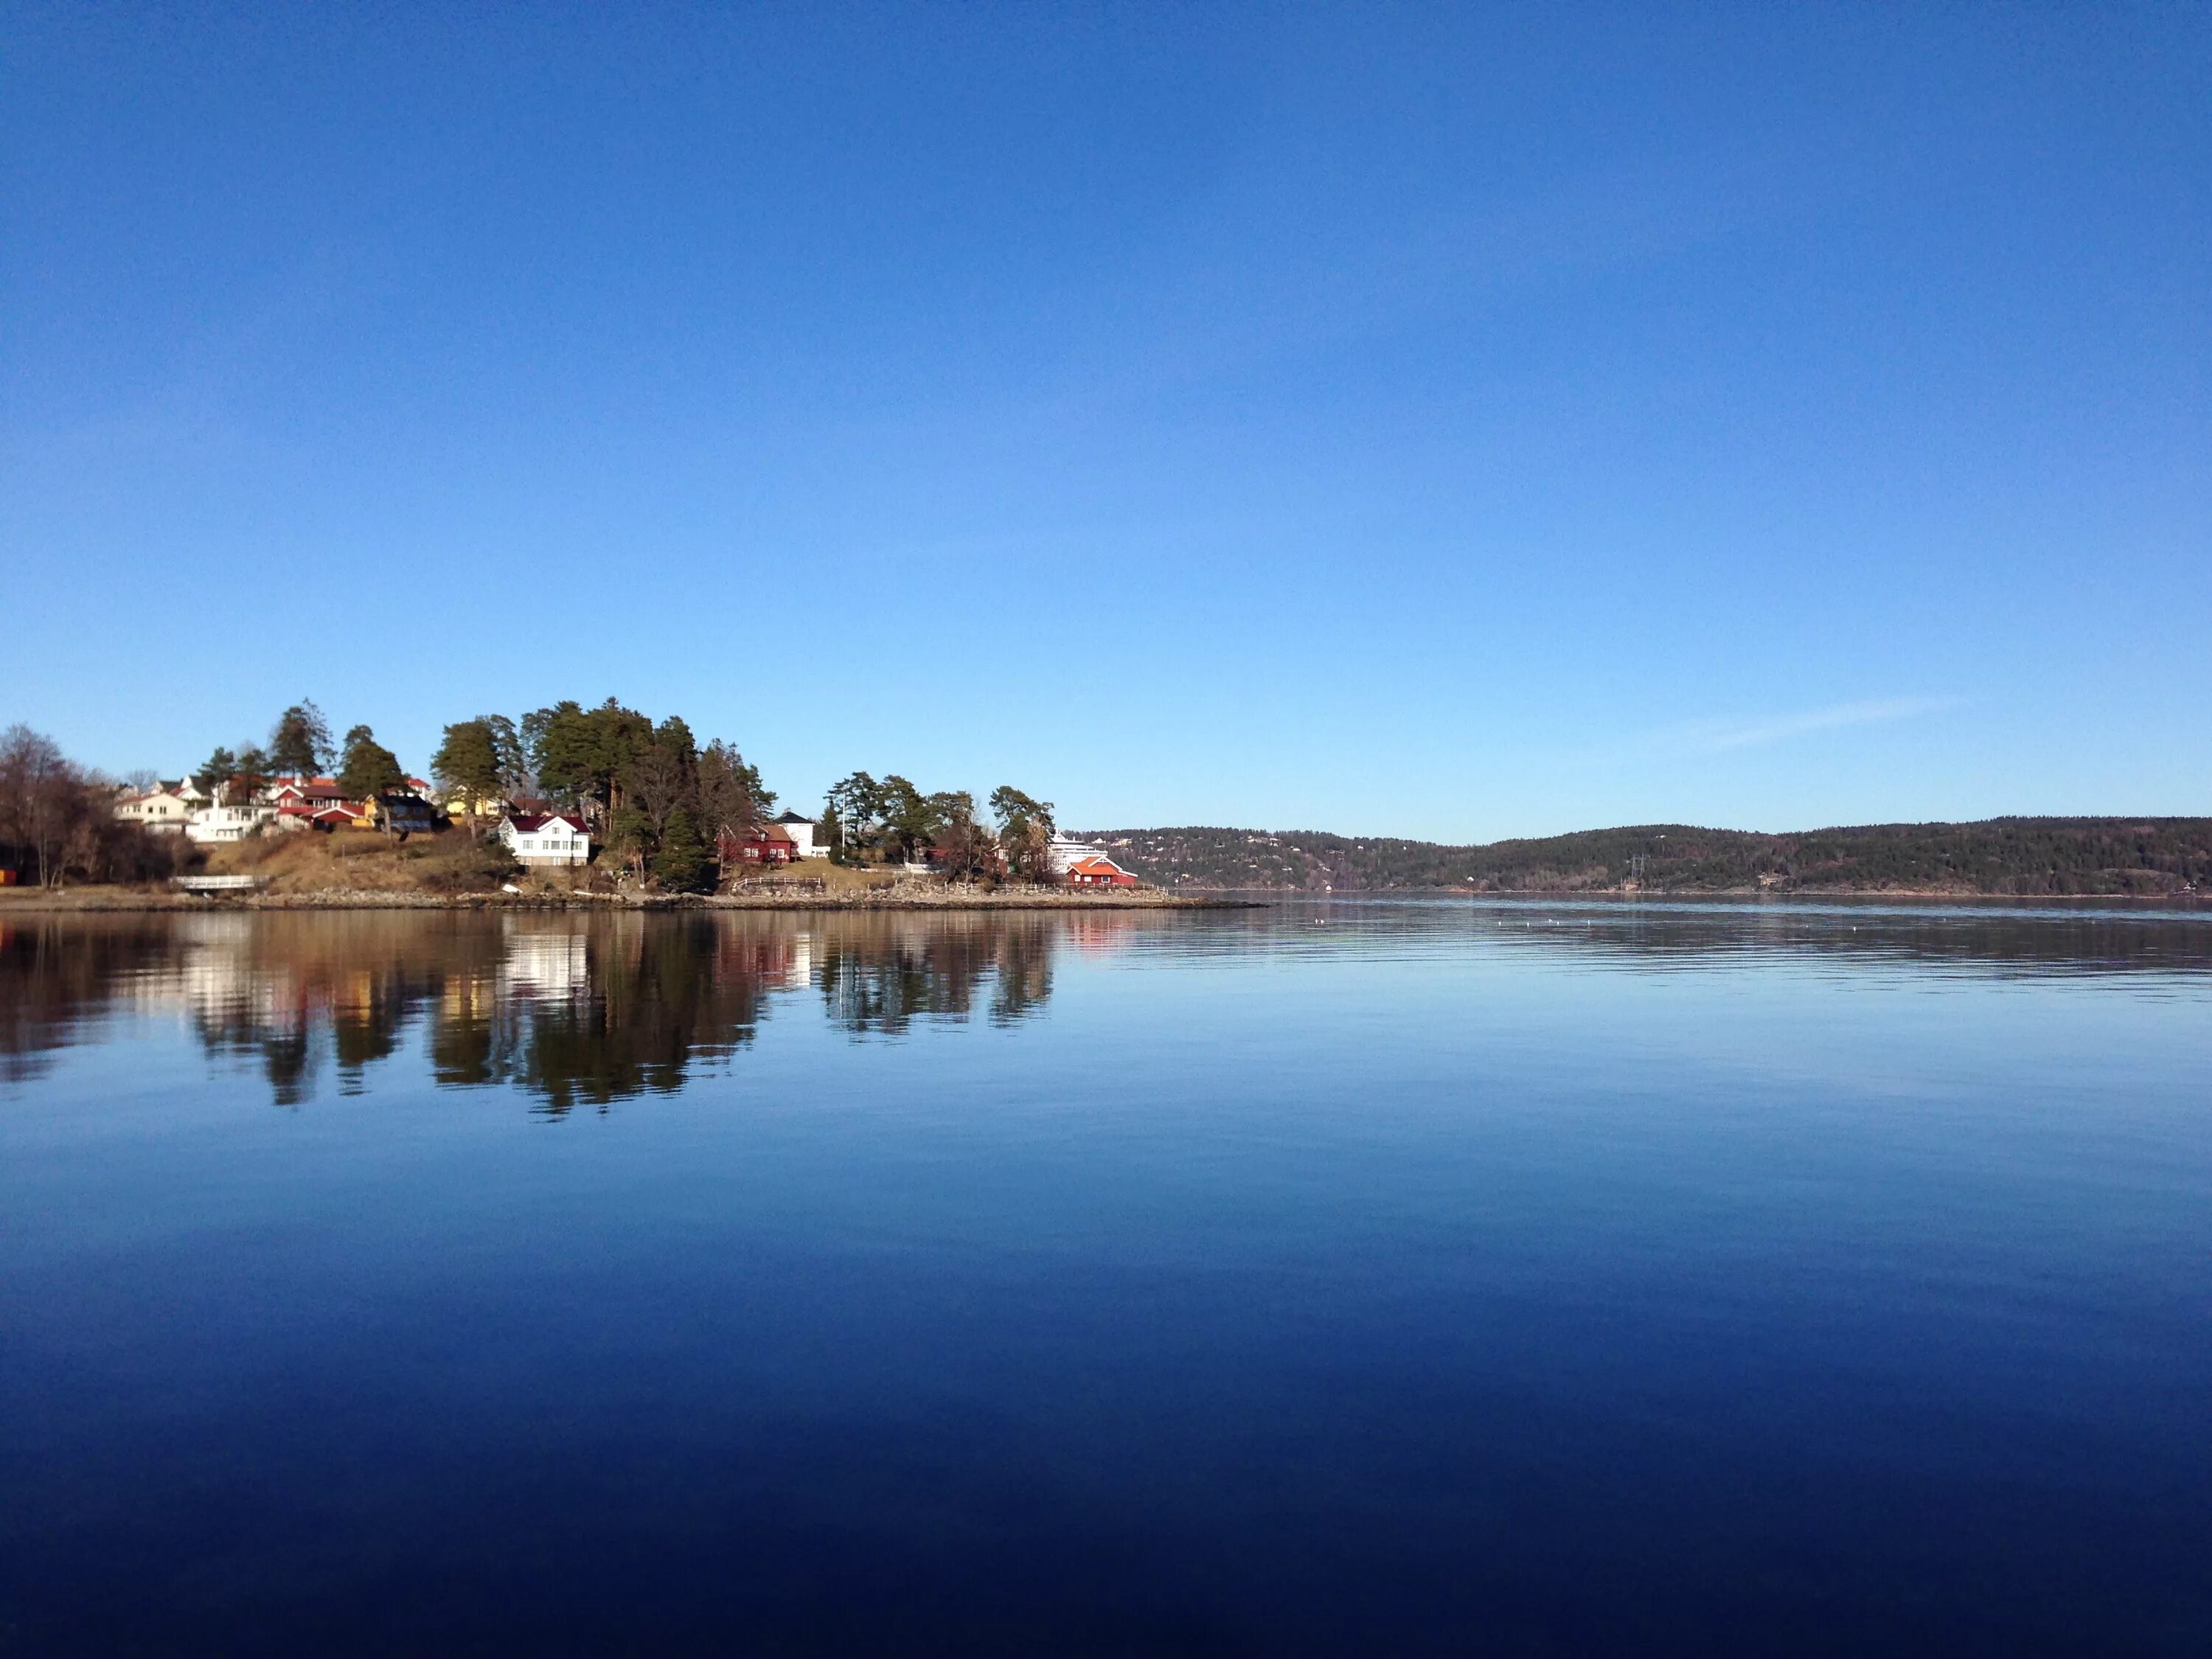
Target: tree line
659	800
864	820
300	745
656	798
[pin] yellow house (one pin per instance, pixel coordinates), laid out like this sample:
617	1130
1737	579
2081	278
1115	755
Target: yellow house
460	804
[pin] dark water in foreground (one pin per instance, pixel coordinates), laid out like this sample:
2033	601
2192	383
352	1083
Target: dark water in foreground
1391	1278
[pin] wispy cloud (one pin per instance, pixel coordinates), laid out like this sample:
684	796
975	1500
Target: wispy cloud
1714	737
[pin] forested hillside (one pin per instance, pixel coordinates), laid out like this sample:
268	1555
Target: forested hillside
2002	855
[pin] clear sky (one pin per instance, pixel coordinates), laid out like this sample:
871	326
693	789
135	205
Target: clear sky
1459	422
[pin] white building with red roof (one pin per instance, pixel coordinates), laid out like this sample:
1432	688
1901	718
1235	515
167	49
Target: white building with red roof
558	839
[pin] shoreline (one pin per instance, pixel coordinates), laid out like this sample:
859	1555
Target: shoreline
126	900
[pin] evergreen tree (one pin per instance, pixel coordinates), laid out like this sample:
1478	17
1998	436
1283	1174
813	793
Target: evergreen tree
580	756
680	866
1025	832
369	770
249	775
216	771
300	742
630	840
727	790
468	762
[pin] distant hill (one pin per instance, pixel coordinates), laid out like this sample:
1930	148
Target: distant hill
2022	856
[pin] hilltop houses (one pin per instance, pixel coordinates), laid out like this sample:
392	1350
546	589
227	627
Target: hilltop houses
283	804
566	834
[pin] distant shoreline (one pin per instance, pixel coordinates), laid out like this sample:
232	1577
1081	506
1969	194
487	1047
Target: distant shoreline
2028	858
1783	895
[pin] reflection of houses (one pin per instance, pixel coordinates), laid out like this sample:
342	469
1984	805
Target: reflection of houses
558	839
554	966
763	843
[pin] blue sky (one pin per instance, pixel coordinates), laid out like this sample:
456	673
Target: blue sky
1457	421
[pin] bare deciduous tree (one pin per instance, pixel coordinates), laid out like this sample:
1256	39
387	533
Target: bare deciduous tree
58	819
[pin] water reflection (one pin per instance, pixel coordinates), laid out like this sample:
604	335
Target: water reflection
571	1010
588	1010
1994	939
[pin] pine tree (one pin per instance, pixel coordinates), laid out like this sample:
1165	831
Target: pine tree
300	744
680	866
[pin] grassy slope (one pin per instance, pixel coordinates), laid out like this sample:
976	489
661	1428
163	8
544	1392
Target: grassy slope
361	861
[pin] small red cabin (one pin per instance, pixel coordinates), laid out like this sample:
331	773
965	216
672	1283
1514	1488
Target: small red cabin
1098	870
761	843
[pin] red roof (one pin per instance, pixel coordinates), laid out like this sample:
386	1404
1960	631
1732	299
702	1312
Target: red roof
527	823
1095	867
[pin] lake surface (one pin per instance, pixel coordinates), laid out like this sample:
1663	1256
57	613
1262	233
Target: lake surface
1391	1277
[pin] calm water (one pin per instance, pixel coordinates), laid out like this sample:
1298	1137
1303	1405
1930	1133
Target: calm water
1386	1278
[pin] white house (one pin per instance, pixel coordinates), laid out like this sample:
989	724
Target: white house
221	822
546	838
801	831
164	809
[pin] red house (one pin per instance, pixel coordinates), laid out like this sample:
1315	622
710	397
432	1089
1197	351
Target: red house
1096	870
314	803
759	843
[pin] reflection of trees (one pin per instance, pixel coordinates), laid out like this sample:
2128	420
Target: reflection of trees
575	1008
297	992
1024	973
569	1009
659	992
880	973
57	973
